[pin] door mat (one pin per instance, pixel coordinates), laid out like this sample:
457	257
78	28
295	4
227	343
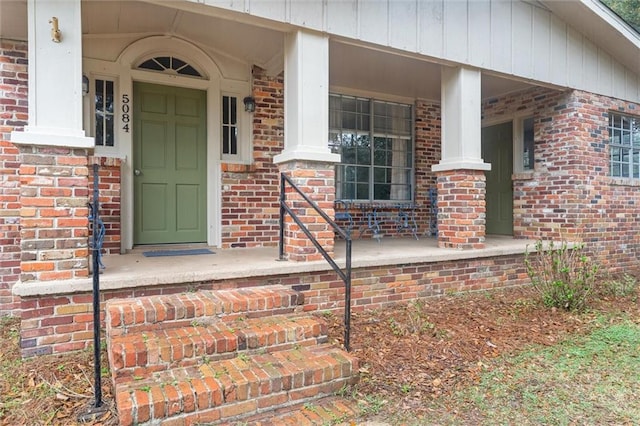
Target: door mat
188	252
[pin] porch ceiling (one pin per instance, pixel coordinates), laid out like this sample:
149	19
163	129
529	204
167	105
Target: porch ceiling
351	66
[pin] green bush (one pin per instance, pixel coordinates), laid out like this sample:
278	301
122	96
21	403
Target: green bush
563	275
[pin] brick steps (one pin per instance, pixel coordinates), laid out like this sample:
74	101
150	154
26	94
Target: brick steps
235	387
219	356
125	316
328	410
158	350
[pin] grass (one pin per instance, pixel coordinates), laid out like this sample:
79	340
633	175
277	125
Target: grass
589	379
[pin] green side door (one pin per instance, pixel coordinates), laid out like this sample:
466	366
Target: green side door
169	162
497	149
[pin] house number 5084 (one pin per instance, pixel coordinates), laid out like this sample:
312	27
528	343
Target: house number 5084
126	118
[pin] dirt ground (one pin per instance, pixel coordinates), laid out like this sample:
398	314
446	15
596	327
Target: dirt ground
412	356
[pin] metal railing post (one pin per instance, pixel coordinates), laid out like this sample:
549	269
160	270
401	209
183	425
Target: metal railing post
283	200
344	275
96	290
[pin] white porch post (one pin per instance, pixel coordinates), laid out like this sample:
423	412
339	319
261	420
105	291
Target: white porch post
461	120
306	98
55	77
460	173
306	157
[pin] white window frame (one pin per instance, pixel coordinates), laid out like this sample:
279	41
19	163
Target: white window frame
518	144
632	148
90	114
244	126
372	134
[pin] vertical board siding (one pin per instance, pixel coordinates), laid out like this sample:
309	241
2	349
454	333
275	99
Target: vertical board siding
480	33
455	31
605	72
575	65
342	17
430	36
307	14
403	36
522	36
372	21
512	37
501	44
542	50
558	51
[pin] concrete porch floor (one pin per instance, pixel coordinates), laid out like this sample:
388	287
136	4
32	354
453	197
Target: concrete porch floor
135	270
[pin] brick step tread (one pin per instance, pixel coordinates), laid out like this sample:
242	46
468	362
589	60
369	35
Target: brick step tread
158	311
330	410
241	386
130	355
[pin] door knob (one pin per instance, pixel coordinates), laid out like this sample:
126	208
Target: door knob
137	172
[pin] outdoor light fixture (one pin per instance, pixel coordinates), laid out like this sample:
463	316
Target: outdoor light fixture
249	104
85	85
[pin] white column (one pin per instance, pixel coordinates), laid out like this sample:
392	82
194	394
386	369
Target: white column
461	120
55	76
306	98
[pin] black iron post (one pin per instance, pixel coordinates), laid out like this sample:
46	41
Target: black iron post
95	206
283	200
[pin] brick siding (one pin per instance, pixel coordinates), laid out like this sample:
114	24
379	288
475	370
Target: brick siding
250	193
110	207
570	194
13	116
54	192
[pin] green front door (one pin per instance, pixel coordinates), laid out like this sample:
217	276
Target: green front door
169	162
497	149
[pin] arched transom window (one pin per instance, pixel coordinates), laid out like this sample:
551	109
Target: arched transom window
169	65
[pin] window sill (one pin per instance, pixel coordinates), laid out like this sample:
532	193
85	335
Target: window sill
529	175
237	168
618	181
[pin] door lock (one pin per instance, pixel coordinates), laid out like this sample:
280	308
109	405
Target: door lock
137	172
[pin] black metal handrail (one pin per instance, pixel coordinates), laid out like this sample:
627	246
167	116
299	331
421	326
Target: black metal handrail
344	275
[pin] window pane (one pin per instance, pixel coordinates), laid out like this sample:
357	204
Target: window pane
99	95
382	191
225	140
165	61
528	155
349	104
234	140
108	97
99	129
225	110
362	191
108	130
234	110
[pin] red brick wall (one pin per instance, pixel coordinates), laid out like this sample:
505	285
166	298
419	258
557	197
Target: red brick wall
570	194
250	193
461	209
109	190
317	182
13	116
53	324
54	189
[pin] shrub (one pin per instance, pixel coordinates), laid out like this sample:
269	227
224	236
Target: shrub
564	276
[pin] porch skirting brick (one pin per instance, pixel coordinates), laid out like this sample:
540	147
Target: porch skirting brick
63	322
